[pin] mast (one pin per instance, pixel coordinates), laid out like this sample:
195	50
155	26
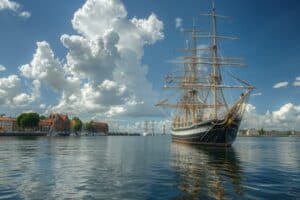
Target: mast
215	75
194	71
152	126
202	91
146	130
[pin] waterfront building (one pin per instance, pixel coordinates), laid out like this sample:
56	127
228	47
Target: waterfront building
101	127
252	132
8	124
249	132
45	124
55	123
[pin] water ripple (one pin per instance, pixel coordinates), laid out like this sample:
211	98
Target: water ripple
147	168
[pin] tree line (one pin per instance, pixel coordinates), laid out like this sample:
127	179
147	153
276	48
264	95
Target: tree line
31	121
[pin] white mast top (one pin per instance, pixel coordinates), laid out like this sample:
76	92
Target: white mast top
213	4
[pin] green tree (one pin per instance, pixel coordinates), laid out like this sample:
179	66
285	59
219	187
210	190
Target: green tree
42	117
76	125
261	132
28	120
90	127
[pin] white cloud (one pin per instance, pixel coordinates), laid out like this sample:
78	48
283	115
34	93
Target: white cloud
9	88
11	95
103	73
286	117
107	11
25	14
297	82
2	68
8	4
93	98
36	90
46	68
112	93
115	110
15	7
150	29
281	85
96	17
21	99
94	59
84	100
178	23
256	94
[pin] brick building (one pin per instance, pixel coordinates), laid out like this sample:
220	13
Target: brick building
101	127
55	123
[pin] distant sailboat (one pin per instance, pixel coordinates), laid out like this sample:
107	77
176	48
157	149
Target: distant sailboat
204	116
146	129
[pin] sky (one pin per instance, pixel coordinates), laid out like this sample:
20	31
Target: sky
106	59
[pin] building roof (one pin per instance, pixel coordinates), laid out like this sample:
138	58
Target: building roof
46	122
8	119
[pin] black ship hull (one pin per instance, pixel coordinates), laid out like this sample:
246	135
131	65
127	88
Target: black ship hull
214	132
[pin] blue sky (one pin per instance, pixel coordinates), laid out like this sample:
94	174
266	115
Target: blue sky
268	31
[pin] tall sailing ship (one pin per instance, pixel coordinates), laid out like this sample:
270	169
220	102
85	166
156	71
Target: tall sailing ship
203	114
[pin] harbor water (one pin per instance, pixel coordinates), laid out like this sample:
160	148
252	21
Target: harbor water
148	168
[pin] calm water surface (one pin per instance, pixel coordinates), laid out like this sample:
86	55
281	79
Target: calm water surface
148	168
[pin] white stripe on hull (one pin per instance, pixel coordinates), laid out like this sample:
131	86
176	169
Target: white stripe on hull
191	131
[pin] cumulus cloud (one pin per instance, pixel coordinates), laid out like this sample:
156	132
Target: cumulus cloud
95	18
178	23
93	98
287	117
149	29
36	90
10	5
93	59
11	92
46	68
85	100
9	88
281	85
2	68
107	11
102	74
297	81
15	7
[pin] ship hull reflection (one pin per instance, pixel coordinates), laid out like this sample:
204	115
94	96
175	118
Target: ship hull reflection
206	172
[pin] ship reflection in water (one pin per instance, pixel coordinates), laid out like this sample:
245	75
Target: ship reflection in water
206	172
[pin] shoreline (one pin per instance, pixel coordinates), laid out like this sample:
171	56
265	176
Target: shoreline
28	134
270	136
